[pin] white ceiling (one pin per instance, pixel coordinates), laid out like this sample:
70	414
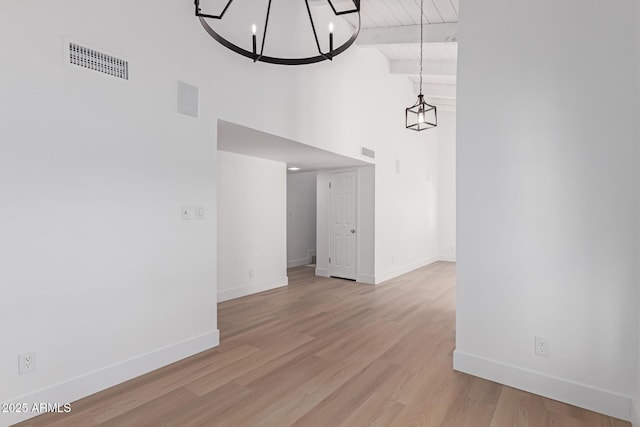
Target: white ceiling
250	142
393	27
393	13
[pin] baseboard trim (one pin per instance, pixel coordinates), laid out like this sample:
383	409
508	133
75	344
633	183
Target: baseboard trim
254	288
85	385
581	395
366	278
447	258
322	272
635	413
298	262
399	271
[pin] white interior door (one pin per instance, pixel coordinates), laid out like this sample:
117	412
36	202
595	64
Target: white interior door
342	253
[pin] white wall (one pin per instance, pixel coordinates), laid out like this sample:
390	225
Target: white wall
406	205
251	225
338	95
301	218
548	198
94	171
635	407
447	185
98	273
365	229
366	225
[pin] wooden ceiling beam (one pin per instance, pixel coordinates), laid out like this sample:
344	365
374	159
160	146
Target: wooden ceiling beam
408	34
431	68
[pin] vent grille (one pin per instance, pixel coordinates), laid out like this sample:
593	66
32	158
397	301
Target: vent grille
368	152
98	61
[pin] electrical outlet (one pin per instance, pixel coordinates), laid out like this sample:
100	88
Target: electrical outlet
26	362
542	346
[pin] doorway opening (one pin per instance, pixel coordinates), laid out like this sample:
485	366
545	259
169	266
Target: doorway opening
271	218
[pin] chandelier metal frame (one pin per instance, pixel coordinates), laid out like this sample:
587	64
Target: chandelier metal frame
260	56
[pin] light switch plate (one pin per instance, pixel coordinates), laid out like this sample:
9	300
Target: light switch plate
200	212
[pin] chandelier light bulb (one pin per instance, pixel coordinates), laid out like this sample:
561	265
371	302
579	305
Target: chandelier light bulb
254	42
331	27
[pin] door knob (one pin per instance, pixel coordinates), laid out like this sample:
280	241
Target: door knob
353	231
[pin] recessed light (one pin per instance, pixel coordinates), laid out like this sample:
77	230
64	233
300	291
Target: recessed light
293	168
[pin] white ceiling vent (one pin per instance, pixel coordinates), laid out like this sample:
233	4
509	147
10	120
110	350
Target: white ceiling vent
97	61
368	152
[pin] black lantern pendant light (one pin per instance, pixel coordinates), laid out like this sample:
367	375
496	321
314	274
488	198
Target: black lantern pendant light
256	55
421	116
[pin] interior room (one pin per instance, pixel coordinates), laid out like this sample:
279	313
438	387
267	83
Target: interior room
378	212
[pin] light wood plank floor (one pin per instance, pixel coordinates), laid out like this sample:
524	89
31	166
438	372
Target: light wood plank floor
327	353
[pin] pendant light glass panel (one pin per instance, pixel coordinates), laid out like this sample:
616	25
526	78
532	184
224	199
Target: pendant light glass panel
421	115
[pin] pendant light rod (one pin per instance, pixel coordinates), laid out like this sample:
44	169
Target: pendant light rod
421	40
421	116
